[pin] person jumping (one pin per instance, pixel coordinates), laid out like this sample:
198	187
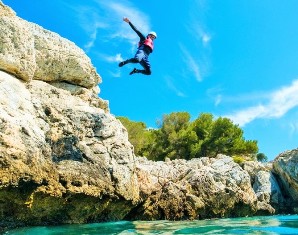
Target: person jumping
144	49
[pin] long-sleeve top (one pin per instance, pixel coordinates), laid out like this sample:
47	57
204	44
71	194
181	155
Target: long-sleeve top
146	48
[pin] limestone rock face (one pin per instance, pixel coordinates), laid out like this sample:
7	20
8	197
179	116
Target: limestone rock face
286	166
31	52
266	187
61	159
199	188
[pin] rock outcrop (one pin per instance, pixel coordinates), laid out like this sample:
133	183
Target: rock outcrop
266	187
286	168
196	189
65	159
31	52
57	152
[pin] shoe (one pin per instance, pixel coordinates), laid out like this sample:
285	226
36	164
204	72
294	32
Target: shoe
133	71
121	63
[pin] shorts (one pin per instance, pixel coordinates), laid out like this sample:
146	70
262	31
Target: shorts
142	57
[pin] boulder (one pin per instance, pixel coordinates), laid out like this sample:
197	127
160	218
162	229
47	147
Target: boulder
32	53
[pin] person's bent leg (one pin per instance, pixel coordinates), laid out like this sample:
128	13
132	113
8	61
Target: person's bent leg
144	71
146	65
132	60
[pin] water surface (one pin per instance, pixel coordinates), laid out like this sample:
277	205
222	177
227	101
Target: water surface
287	224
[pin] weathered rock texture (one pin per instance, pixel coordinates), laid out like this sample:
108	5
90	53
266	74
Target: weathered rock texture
266	187
65	159
199	188
57	153
286	168
31	52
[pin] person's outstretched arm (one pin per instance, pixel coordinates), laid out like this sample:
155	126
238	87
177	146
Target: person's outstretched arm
142	37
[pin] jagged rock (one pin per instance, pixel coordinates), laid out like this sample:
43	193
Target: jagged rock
31	52
266	187
286	167
199	188
61	159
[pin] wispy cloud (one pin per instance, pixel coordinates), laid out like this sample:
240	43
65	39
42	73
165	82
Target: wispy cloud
111	59
103	19
93	32
293	127
191	63
196	23
215	94
115	74
200	40
218	99
172	87
279	103
112	13
139	19
201	34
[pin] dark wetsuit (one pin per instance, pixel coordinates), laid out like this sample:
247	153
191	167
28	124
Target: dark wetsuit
141	55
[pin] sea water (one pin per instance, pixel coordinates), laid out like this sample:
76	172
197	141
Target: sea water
286	224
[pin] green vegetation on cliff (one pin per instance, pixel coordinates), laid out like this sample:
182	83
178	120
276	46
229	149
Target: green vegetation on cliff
177	137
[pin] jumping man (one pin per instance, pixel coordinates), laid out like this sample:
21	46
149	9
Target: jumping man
144	50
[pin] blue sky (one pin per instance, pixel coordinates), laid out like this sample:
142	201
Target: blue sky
232	58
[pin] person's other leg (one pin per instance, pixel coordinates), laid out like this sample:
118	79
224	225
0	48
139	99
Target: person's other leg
146	65
138	57
132	60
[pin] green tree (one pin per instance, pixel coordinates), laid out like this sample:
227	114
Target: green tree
174	136
227	138
261	157
177	137
138	134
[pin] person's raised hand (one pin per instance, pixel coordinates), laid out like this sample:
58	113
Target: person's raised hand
126	20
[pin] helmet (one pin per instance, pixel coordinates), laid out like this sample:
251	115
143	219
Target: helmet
153	33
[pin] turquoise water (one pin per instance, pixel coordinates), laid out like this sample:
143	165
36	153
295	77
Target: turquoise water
253	225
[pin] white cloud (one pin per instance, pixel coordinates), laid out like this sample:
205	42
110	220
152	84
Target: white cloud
93	32
115	74
281	101
218	99
191	64
106	18
171	86
112	59
196	24
294	127
215	94
205	38
119	29
201	34
138	18
115	58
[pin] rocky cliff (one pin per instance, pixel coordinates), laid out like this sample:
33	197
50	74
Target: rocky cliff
65	159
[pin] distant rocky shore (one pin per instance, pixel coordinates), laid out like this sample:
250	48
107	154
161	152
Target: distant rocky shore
65	159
